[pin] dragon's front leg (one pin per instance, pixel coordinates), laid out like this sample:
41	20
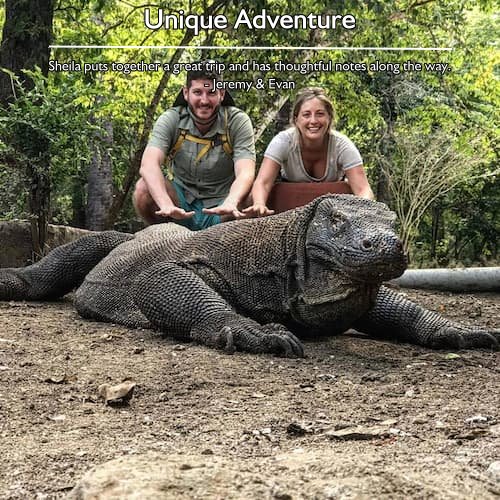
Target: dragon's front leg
178	302
394	316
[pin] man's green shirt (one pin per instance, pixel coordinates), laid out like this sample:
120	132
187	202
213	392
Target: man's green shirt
209	179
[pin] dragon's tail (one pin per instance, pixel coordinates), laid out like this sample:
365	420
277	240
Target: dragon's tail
62	270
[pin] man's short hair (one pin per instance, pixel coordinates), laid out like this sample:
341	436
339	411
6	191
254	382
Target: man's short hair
206	71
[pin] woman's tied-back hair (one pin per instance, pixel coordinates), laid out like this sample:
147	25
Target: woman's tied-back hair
311	93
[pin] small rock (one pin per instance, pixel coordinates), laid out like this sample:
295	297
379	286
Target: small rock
117	394
494	469
138	350
258	395
389	422
410	393
57	418
299	429
179	347
360	433
417	365
334	492
474	312
420	419
163	396
371	377
495	430
281	495
476	419
468	434
306	386
57	379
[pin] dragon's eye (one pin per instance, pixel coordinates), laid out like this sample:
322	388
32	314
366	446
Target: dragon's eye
336	219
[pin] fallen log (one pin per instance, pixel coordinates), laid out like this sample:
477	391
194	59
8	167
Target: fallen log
470	279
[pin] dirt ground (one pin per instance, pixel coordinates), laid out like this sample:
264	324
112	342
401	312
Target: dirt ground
428	420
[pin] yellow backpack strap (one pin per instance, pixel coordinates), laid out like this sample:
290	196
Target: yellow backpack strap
209	143
226	140
177	145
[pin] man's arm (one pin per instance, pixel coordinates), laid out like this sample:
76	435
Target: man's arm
244	171
152	176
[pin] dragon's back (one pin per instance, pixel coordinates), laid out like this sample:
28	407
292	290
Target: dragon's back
105	293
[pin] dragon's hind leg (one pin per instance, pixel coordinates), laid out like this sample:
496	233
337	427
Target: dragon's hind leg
62	270
394	316
180	303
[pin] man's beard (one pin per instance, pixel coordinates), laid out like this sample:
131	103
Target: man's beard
204	121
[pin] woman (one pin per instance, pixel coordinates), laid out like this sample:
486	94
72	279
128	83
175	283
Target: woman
310	151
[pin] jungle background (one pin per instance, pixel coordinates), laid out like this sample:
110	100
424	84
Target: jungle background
71	143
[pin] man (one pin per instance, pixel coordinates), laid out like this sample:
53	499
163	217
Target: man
211	148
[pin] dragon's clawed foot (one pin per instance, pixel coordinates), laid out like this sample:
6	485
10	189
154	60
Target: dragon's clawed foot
249	336
462	337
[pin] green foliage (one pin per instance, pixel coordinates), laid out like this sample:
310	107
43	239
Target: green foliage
380	110
45	123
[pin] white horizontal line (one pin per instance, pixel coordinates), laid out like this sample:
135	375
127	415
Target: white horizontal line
233	47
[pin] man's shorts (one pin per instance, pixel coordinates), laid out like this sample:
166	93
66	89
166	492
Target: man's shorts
199	220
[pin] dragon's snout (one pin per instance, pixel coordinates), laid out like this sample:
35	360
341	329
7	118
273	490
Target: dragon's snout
386	244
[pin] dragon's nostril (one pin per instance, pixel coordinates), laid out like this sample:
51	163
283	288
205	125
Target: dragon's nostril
366	245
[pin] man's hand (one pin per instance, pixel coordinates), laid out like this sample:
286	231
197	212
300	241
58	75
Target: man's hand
244	171
227	208
257	210
174	213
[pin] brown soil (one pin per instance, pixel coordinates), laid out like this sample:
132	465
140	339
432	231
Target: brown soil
264	421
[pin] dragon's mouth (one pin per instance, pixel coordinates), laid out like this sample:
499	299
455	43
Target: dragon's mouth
359	266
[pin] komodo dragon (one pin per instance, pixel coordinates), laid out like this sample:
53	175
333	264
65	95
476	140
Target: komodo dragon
246	285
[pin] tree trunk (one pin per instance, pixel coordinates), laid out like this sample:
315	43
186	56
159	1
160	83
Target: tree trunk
436	219
39	202
100	181
283	118
78	202
382	192
27	33
272	115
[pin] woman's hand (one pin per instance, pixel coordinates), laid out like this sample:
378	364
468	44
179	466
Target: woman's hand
257	210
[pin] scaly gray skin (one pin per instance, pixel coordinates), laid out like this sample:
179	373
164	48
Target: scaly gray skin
245	285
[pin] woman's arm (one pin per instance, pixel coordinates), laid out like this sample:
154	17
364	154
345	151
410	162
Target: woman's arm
358	181
261	188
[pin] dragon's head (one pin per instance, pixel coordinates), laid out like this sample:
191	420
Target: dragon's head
355	237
